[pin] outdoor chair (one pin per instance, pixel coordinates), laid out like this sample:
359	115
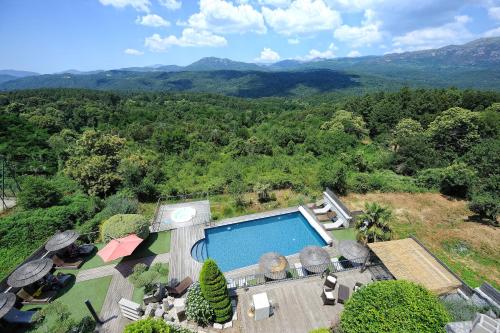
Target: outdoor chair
15	316
180	288
331	281
74	263
86	249
327	296
45	297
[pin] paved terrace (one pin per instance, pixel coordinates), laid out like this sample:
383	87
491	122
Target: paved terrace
299	304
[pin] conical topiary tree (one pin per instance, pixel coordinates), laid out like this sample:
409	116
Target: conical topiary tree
214	288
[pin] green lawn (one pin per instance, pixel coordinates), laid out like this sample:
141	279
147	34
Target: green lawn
344	234
74	297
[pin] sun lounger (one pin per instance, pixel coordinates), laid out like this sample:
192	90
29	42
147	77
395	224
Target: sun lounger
323	210
335	225
327	296
180	288
15	316
300	270
44	298
73	263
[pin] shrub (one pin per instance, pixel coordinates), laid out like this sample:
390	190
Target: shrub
143	276
148	326
197	307
214	288
321	330
393	307
457	180
333	175
121	225
461	310
485	205
151	325
262	191
38	192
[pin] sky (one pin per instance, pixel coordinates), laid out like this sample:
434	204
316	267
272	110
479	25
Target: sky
56	35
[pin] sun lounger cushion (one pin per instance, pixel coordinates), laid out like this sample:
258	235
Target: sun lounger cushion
332	279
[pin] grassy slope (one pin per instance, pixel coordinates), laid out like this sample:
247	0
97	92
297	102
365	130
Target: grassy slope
470	249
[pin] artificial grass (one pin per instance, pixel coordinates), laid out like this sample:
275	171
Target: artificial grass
138	293
344	234
74	297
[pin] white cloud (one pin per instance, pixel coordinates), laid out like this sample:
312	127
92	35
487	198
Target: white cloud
316	54
302	16
140	5
364	35
354	54
189	38
492	33
152	20
224	17
275	3
353	5
454	32
293	41
494	13
171	4
133	52
268	55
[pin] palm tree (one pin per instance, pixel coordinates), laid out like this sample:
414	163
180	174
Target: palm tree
373	225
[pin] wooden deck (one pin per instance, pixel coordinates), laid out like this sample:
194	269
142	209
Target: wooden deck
181	262
299	305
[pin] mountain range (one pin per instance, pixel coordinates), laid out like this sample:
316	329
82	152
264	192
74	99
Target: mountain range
472	65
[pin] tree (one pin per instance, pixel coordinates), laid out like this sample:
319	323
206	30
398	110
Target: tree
373	224
454	131
457	180
214	288
122	225
333	174
344	121
406	129
486	205
393	307
38	192
262	190
94	162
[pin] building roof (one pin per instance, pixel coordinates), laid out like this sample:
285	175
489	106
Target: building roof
407	260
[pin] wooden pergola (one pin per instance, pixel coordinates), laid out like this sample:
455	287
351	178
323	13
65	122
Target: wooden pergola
407	260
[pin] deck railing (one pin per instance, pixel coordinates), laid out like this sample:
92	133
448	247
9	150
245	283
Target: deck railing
295	273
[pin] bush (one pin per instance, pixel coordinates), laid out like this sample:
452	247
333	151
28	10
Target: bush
148	326
121	225
393	307
197	307
262	191
142	276
321	330
214	288
461	310
457	180
485	205
333	175
38	192
151	325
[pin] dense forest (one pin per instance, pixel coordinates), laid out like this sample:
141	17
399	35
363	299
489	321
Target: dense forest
76	151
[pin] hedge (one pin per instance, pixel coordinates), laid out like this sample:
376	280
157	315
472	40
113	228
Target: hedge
214	288
151	325
121	225
393	307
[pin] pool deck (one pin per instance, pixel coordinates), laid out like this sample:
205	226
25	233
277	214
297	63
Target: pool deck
181	262
255	216
299	304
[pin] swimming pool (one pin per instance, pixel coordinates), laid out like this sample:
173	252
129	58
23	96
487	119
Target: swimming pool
242	244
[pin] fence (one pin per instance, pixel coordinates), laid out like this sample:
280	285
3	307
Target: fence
295	273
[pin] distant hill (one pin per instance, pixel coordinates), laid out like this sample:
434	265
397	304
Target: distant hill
16	73
217	64
472	65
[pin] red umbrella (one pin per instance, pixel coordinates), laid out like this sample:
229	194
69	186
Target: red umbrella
120	247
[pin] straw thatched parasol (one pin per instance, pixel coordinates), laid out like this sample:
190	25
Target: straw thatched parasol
61	240
353	250
30	272
273	265
314	258
7	302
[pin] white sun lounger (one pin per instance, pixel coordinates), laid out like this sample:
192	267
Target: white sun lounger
323	210
300	270
333	225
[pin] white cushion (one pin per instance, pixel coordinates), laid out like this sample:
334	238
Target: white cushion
332	279
329	295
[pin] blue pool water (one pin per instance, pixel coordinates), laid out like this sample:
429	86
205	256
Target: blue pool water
242	244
